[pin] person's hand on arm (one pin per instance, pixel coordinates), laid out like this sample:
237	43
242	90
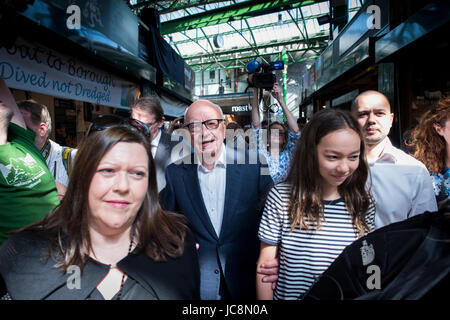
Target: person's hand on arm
264	290
278	95
269	271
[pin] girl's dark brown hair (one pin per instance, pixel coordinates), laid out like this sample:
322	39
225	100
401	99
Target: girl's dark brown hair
430	146
159	233
306	205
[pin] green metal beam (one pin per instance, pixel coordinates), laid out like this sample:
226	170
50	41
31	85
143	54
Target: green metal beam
304	27
252	57
319	38
253	46
242	65
233	12
296	24
263	26
196	42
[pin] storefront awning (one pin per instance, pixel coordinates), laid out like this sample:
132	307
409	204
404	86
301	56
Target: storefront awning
424	21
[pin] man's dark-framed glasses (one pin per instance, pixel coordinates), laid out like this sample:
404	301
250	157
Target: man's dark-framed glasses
105	121
209	124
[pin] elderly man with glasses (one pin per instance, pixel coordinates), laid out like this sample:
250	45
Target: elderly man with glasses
222	195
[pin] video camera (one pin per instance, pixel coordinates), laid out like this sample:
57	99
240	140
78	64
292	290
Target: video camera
263	77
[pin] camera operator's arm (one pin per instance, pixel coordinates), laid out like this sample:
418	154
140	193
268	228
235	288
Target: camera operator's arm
256	120
291	122
176	123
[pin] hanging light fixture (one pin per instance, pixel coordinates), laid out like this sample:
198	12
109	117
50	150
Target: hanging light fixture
218	39
280	19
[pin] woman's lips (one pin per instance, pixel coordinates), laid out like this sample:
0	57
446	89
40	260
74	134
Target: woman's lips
340	178
118	204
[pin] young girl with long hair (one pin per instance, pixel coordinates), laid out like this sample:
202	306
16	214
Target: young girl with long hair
322	207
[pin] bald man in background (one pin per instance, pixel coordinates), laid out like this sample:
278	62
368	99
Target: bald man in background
401	185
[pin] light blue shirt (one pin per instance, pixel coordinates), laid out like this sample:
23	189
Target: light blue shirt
212	185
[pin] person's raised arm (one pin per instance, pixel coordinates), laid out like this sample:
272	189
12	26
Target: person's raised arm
176	123
256	121
7	100
278	95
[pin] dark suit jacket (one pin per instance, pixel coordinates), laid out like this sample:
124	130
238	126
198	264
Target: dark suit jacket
29	275
233	253
162	158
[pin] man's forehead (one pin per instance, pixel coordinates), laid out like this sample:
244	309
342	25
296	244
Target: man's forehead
203	111
372	102
143	113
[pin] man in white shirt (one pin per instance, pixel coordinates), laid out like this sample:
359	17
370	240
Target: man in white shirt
222	195
58	158
401	185
149	111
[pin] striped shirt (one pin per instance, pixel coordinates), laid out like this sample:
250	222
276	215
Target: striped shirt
305	254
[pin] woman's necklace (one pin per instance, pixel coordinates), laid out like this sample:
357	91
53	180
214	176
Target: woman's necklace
119	294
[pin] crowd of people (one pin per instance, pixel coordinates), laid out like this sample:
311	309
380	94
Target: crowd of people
135	213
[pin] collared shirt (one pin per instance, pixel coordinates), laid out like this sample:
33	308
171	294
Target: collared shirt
155	143
401	185
212	185
52	153
279	165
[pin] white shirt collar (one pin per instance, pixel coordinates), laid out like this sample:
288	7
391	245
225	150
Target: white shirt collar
220	162
389	153
155	142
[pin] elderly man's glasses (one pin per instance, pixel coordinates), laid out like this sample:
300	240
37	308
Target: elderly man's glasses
209	124
108	120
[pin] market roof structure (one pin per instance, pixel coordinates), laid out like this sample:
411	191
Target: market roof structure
213	35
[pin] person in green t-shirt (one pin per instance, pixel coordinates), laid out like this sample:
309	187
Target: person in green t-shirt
27	188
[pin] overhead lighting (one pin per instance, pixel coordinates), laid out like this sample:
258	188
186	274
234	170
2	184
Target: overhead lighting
324	19
218	40
280	20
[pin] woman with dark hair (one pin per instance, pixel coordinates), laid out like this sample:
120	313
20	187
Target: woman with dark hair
323	206
109	238
281	139
432	143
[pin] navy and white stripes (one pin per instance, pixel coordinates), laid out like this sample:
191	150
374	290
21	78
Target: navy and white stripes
305	254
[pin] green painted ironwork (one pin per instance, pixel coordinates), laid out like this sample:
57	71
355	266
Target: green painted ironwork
262	26
318	38
233	12
252	57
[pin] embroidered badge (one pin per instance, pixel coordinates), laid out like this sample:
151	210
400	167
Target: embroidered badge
367	253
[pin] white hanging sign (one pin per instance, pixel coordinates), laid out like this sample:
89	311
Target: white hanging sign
36	68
